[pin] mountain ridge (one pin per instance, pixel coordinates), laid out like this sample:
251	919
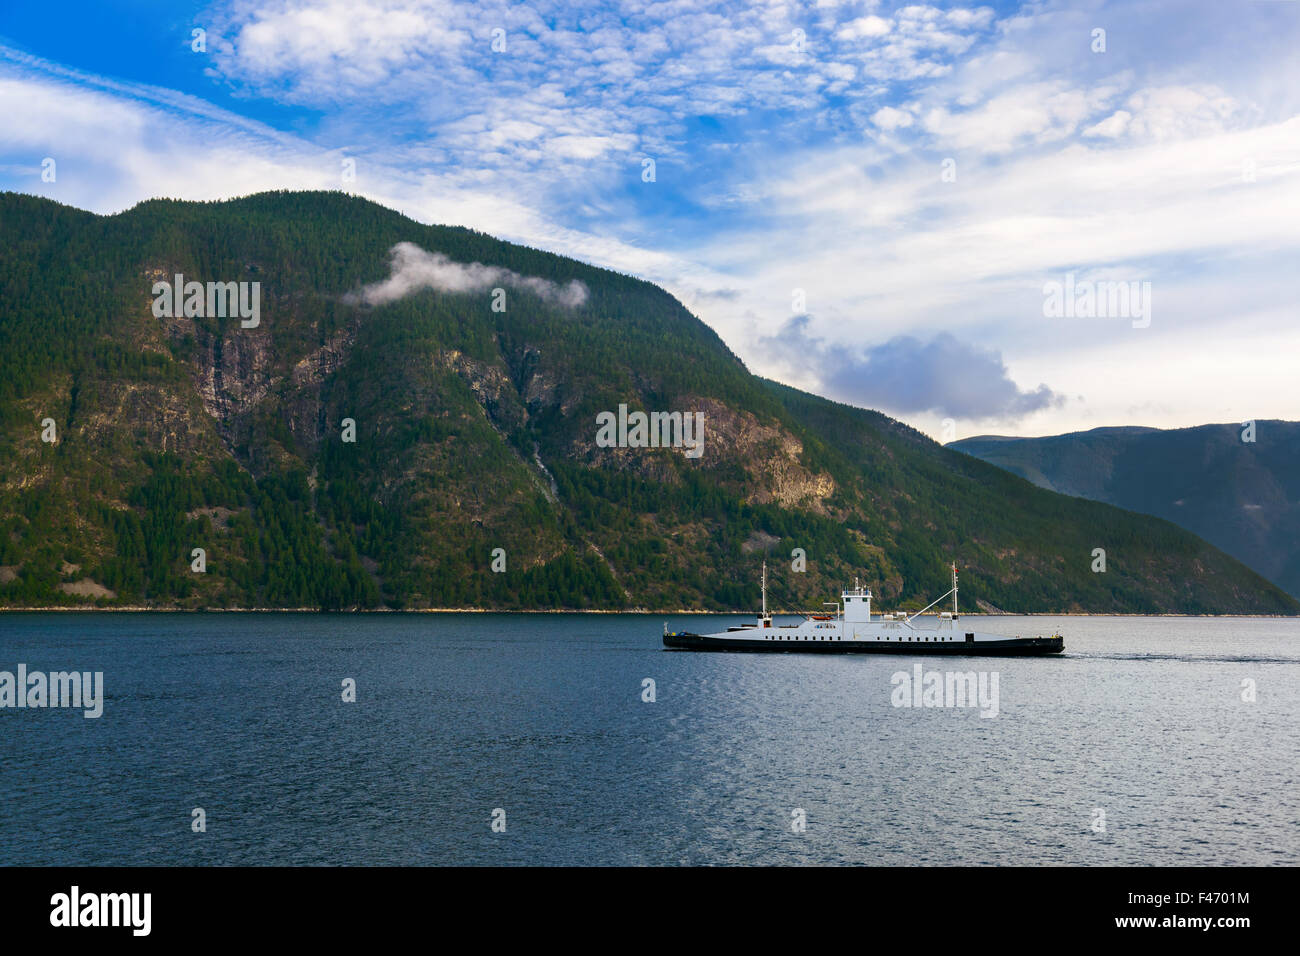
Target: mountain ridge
474	431
1241	495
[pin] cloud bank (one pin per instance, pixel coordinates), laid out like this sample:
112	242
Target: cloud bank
905	374
413	269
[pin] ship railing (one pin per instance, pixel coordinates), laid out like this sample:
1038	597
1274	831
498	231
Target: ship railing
907	619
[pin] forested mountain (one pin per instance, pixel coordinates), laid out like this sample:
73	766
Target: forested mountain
475	430
1235	485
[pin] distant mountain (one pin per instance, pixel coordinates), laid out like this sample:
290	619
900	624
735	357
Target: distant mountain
472	381
1243	496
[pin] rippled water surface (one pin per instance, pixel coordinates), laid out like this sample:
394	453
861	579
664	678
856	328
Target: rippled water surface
241	714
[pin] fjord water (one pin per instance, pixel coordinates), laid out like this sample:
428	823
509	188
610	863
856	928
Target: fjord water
542	715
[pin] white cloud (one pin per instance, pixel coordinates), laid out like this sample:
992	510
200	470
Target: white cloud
1030	113
1112	126
413	269
869	26
889	119
1179	112
620	70
880	258
326	49
117	144
824	174
589	147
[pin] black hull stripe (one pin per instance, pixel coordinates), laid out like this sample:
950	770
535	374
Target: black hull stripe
1012	647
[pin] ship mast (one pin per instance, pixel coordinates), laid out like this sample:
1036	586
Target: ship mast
954	590
765	590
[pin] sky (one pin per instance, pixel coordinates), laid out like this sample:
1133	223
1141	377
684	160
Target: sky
886	204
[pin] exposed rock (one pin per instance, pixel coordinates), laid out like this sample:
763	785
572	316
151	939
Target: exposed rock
768	453
87	588
759	541
220	517
491	386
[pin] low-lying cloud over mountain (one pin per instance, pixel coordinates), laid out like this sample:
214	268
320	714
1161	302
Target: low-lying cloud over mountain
413	269
906	374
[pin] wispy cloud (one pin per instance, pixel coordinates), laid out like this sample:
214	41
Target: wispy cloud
798	148
413	269
510	86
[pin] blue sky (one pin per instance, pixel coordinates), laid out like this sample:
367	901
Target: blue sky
864	199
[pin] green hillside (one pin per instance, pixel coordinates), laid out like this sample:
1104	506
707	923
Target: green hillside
1242	496
475	430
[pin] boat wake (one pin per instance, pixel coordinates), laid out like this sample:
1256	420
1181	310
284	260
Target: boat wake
1187	658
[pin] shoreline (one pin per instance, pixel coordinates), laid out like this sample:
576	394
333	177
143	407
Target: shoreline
144	609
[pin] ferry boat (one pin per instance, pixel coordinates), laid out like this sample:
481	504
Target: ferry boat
851	629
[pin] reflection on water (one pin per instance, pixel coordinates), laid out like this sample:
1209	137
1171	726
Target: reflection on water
542	716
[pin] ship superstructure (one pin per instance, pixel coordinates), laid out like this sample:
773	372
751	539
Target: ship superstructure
852	628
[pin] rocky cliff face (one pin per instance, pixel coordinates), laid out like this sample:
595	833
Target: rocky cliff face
473	476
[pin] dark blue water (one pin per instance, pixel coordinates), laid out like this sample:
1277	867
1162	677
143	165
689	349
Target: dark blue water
241	714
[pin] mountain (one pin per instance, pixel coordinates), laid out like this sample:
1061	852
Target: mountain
1239	494
475	440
